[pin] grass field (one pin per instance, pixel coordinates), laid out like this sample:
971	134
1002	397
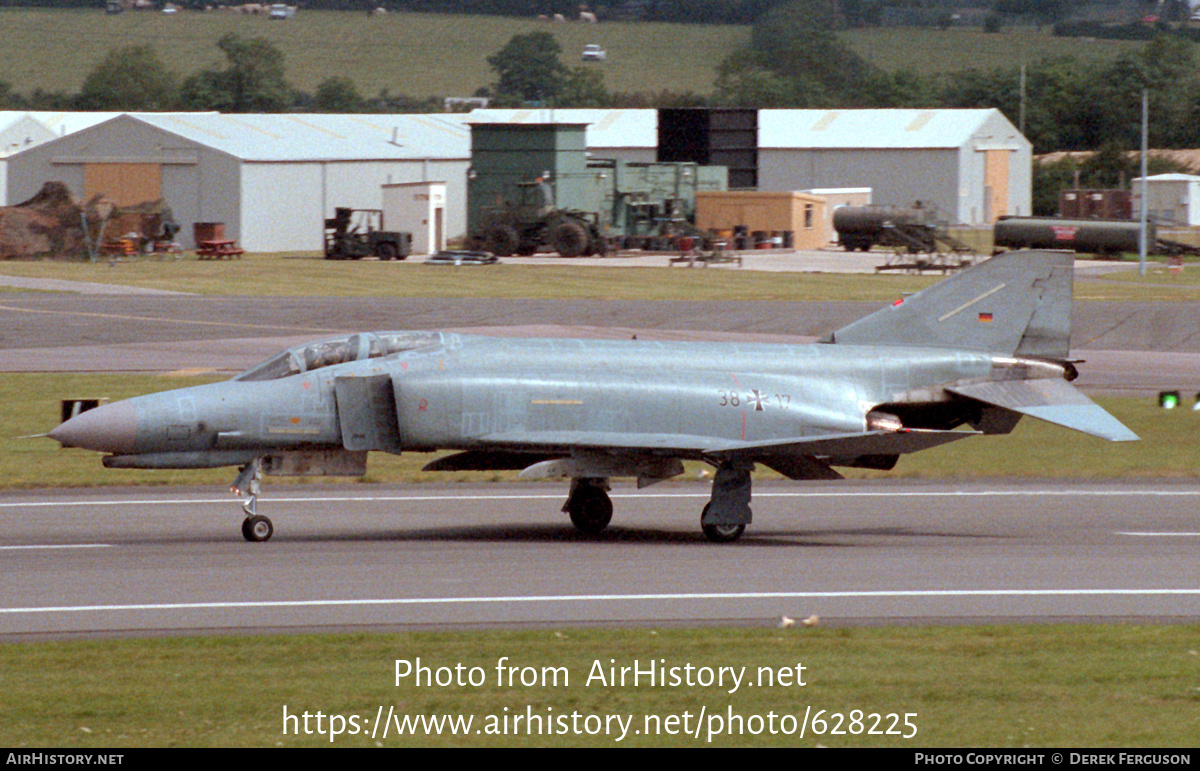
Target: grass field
300	276
433	55
930	51
415	54
1032	686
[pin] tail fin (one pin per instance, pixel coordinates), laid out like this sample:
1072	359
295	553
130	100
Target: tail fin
1017	303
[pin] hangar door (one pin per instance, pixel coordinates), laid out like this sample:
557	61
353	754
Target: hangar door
125	184
995	183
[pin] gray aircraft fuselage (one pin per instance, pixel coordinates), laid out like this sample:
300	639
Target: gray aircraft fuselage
469	392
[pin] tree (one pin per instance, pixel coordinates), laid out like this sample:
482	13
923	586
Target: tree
129	78
337	94
795	60
253	82
529	69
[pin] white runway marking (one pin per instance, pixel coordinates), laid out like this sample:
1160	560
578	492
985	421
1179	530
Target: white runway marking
898	594
59	546
1160	535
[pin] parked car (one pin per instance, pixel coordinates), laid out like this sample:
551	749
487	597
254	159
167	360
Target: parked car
593	53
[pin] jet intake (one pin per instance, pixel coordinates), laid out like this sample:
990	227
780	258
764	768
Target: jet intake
366	410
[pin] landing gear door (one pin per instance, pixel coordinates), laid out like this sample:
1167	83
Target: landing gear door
367	412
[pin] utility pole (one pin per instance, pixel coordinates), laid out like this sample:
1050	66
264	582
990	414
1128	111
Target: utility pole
1145	150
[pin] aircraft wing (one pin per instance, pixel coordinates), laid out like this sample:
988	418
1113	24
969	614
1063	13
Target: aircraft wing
827	445
1054	401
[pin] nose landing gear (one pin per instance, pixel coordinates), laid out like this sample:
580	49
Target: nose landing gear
255	527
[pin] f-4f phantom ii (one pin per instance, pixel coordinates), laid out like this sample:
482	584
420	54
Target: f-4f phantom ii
970	355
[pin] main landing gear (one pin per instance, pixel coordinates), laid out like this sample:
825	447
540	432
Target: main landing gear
588	505
255	527
727	513
723	519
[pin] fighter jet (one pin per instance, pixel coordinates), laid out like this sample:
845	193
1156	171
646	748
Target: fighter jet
970	355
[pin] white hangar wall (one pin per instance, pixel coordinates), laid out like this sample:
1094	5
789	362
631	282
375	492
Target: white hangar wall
972	164
284	205
897	178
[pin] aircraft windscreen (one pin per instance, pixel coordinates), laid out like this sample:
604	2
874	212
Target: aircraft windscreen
367	345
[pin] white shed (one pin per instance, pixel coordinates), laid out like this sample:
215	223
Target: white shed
271	179
972	164
418	208
1171	199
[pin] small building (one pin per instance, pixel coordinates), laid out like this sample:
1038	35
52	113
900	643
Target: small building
1095	204
1171	199
418	208
792	219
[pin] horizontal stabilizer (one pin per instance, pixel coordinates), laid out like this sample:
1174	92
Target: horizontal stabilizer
1054	401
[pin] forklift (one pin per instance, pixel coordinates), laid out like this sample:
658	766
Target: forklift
356	233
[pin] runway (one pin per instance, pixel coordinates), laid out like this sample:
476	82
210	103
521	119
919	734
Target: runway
137	561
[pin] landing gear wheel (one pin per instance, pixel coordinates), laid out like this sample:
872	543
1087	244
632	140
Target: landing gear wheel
720	533
723	533
590	510
257	528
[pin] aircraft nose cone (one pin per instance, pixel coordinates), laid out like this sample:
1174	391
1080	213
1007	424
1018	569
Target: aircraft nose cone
111	428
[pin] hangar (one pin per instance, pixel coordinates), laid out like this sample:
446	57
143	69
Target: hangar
973	165
20	130
271	179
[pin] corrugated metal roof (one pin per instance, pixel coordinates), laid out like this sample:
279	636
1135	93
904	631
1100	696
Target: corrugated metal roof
58	122
606	128
1170	177
863	129
317	137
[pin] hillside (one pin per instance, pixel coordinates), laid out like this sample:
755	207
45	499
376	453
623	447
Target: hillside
422	55
414	54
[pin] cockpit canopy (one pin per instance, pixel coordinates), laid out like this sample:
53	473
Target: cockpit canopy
313	356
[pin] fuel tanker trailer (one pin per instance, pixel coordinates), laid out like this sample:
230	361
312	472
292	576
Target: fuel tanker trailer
1103	238
913	228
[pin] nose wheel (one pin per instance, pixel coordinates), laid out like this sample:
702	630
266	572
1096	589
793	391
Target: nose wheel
255	527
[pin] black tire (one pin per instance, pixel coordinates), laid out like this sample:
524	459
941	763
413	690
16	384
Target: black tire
570	239
591	510
388	251
720	533
502	240
257	529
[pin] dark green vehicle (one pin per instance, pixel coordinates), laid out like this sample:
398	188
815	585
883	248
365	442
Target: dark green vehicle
356	233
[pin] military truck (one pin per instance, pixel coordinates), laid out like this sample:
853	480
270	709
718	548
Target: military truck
352	234
532	220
